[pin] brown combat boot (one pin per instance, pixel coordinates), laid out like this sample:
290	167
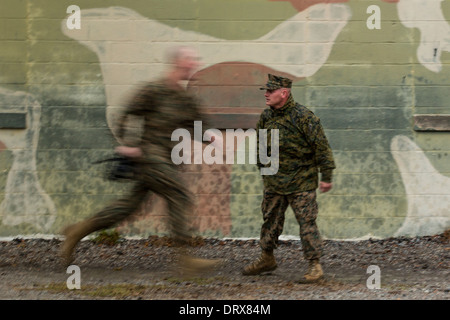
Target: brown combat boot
265	263
314	273
74	233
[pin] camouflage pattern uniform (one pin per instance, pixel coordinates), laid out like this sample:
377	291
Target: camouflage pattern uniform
163	109
303	153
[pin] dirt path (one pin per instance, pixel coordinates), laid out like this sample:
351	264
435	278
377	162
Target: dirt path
409	269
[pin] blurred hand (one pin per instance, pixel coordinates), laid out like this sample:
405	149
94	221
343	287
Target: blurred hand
325	186
132	152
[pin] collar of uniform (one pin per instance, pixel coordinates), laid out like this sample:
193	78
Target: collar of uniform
289	104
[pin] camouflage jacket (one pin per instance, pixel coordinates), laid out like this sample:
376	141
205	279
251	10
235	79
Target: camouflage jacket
162	109
304	150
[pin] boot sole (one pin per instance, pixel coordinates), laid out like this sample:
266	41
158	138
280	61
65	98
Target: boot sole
255	273
309	281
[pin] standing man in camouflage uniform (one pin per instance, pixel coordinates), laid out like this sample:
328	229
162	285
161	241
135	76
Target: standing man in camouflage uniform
164	106
303	153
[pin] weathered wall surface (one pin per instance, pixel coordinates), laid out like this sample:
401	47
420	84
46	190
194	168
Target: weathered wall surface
367	68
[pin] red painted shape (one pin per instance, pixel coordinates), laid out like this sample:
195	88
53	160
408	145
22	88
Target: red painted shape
233	85
301	5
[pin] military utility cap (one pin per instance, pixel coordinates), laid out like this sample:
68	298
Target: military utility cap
276	82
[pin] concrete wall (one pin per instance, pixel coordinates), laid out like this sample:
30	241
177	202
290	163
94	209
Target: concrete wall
368	68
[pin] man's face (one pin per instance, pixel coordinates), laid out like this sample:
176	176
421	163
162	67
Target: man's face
276	98
188	63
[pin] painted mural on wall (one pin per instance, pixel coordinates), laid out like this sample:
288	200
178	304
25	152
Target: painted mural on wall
364	83
25	201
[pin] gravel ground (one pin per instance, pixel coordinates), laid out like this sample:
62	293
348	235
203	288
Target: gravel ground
410	269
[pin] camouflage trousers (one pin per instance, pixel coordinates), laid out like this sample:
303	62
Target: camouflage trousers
158	177
305	209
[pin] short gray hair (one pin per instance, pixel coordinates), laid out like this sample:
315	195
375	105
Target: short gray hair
174	53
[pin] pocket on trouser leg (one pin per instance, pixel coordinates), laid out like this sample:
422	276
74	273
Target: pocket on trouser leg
305	208
273	209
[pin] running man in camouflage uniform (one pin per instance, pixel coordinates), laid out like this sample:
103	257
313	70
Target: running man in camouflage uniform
164	106
303	153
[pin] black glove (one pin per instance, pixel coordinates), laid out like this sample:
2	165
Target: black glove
120	168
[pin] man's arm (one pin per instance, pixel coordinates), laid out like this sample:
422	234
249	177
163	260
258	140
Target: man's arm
137	107
322	153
